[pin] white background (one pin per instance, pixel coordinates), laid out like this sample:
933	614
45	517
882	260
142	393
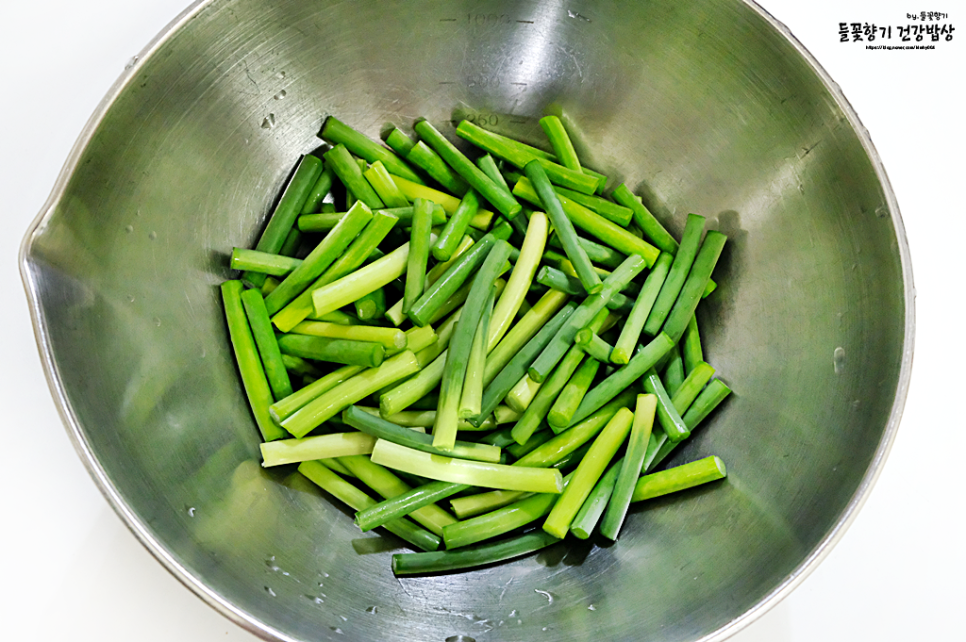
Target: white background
73	571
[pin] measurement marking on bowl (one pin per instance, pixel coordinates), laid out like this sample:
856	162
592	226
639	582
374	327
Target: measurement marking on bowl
838	360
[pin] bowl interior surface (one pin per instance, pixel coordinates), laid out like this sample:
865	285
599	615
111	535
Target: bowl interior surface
703	107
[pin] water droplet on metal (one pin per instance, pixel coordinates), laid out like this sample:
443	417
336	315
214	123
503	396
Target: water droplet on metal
130	63
129	229
591	608
459	638
269	122
191	511
270	591
130	299
336	629
153	235
157	322
372	610
882	211
546	594
280	95
838	360
280	75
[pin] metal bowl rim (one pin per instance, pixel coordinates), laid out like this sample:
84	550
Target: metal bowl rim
262	630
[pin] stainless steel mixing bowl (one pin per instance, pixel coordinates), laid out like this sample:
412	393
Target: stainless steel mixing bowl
707	106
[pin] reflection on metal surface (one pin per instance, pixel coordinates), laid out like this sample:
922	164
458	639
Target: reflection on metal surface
706	106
